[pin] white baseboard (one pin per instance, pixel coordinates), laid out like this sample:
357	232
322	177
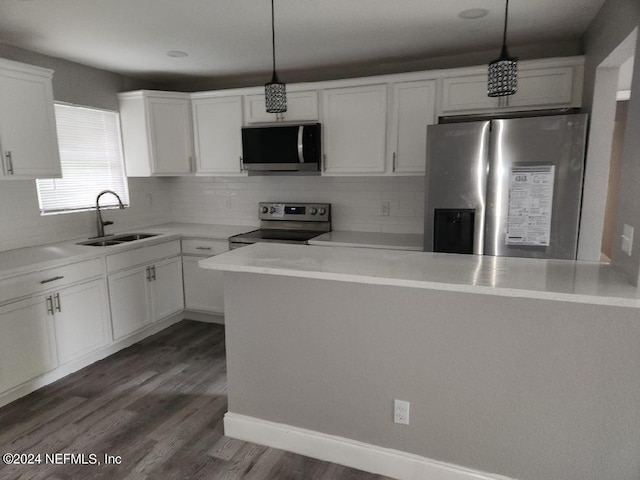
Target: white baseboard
343	451
201	316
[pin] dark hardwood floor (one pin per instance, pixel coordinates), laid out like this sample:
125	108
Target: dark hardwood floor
159	406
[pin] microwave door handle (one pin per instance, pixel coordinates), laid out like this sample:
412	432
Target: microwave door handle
300	144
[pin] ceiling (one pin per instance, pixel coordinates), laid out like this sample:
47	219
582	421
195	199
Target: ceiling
226	38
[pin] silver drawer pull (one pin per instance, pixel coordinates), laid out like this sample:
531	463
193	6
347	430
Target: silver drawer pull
57	302
203	248
60	277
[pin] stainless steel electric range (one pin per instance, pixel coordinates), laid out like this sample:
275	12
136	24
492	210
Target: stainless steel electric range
287	223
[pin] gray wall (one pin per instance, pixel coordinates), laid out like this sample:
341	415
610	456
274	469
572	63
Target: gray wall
615	21
530	389
73	82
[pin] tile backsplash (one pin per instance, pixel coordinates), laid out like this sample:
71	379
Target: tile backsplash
356	202
21	224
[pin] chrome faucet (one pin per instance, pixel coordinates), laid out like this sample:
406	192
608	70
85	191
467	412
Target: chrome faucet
100	223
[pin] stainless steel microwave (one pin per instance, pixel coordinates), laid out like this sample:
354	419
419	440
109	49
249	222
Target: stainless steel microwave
282	148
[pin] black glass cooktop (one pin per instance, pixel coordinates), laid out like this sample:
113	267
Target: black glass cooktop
276	235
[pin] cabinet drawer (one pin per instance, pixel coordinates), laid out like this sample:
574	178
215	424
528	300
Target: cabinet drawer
32	283
194	246
142	255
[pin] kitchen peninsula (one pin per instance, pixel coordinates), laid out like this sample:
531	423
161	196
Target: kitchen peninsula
523	368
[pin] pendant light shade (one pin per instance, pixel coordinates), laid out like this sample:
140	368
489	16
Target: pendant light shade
503	71
275	92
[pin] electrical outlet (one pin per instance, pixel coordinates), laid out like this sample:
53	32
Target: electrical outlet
401	412
384	209
227	202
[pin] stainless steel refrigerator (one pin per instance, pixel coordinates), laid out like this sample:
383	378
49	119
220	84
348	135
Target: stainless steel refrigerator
508	187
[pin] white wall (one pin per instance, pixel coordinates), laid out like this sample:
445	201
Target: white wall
356	201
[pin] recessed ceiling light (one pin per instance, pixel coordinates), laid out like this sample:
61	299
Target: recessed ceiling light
473	13
177	53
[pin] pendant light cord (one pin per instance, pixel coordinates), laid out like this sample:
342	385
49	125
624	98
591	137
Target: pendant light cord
504	35
273	37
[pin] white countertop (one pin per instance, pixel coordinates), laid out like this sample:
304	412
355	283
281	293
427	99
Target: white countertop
392	241
21	260
560	280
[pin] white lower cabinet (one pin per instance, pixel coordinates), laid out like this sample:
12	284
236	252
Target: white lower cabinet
141	295
27	343
81	320
167	296
129	300
202	287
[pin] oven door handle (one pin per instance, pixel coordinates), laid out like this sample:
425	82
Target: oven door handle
300	144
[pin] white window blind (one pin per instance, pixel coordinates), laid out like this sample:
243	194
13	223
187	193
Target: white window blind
91	160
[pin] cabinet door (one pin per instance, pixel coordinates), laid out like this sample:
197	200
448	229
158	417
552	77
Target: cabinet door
27	126
167	295
218	135
129	298
202	287
543	87
170	135
301	107
539	87
468	92
81	320
27	345
413	109
355	129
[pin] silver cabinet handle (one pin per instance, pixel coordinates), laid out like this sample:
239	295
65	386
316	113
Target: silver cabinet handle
59	277
57	302
148	274
50	304
203	248
324	162
393	168
153	273
9	162
240	158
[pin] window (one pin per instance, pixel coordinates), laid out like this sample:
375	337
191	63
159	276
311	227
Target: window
91	159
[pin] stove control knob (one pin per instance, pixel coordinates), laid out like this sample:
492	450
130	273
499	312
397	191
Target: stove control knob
322	211
313	211
272	210
264	209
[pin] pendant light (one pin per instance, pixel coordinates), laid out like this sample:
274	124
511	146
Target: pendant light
275	93
503	71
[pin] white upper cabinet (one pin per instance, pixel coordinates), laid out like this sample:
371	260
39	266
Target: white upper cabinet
354	123
538	88
413	108
157	135
218	134
301	107
28	138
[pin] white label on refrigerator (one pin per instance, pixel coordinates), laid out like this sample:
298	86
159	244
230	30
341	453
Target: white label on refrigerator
530	202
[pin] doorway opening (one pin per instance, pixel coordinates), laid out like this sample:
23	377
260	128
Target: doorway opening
602	174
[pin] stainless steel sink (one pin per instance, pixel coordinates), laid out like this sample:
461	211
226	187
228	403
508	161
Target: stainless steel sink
116	239
132	237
